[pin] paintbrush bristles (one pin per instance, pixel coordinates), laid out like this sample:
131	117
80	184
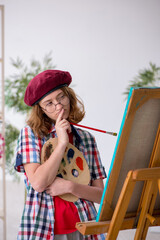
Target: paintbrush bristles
112	133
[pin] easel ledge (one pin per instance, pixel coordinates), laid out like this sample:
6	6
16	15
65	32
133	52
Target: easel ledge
89	228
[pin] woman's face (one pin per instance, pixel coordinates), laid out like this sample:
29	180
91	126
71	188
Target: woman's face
54	102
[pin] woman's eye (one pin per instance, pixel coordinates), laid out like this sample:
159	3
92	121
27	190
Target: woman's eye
61	97
49	104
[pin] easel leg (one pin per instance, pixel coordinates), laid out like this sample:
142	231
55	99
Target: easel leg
121	207
147	207
148	223
159	186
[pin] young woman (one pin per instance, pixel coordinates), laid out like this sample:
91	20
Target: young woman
47	216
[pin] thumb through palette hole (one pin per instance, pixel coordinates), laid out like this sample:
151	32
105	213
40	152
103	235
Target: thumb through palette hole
75	172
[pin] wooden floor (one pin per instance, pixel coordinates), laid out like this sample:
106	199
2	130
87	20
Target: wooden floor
15	201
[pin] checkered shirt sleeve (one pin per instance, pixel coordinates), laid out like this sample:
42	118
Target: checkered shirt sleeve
28	149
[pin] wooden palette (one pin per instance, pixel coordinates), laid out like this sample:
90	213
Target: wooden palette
73	166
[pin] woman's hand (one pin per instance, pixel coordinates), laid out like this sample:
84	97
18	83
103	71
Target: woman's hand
92	193
62	126
58	187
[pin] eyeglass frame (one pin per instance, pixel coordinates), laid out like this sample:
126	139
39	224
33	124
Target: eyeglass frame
56	104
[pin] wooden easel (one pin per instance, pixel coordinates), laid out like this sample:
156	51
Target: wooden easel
113	220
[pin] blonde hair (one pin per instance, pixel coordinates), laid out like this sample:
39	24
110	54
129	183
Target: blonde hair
41	124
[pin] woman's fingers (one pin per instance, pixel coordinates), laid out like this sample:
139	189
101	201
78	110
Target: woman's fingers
58	187
63	123
60	116
62	129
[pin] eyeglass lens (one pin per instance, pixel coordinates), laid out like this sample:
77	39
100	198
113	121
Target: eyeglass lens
51	107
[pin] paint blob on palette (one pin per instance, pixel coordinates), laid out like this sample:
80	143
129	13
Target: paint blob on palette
70	154
73	166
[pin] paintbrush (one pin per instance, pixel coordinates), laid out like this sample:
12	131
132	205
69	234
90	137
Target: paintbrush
94	129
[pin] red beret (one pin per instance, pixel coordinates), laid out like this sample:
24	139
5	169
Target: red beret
45	83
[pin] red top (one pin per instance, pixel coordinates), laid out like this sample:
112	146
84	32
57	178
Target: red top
66	214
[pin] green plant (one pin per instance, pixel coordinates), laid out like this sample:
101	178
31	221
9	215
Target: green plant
15	86
148	77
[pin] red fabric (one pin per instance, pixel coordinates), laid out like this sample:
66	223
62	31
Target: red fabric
66	214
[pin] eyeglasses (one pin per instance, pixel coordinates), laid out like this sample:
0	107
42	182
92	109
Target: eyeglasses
51	107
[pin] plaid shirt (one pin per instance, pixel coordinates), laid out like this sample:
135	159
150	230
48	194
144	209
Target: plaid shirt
38	216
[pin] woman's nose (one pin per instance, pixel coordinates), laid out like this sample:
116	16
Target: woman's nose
58	106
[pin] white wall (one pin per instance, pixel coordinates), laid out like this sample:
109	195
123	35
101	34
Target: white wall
103	43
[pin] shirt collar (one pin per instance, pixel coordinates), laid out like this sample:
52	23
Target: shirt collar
52	128
76	134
